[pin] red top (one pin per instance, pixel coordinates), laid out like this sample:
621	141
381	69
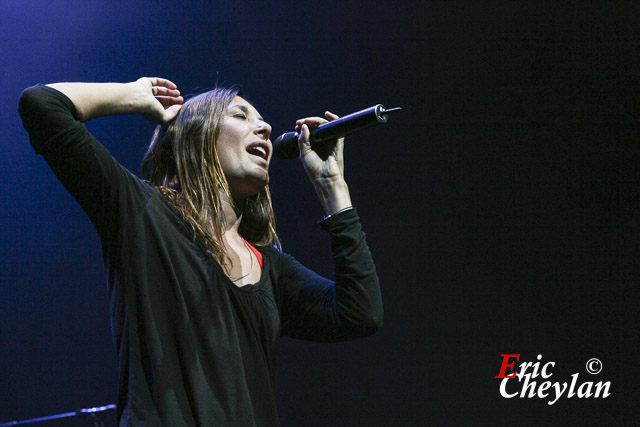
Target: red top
257	254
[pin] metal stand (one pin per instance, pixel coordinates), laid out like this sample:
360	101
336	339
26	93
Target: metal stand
88	411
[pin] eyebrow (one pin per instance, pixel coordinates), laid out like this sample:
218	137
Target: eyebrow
244	109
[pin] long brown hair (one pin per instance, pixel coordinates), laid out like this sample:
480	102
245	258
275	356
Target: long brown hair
182	162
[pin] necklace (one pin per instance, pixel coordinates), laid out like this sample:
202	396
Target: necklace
235	279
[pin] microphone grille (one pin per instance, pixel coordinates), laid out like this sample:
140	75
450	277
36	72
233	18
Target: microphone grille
286	146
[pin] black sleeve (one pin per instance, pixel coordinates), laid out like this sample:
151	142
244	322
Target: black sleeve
317	309
102	187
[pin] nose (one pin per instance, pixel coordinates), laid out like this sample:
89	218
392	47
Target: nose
263	129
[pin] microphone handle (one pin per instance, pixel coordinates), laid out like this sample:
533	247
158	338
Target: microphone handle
349	124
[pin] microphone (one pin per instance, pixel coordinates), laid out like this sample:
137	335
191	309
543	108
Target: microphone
286	145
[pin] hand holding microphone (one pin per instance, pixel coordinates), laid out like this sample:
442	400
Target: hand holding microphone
286	145
324	164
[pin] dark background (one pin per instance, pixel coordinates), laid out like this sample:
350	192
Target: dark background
501	205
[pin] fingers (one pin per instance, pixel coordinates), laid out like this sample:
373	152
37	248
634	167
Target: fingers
166	95
159	81
311	122
167	101
163	91
164	102
304	137
314	122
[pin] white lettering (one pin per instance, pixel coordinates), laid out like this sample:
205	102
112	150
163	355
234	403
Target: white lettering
530	386
503	389
544	369
585	393
559	392
573	385
536	366
523	368
600	386
545	385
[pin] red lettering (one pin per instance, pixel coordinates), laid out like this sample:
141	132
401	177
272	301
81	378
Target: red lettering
506	364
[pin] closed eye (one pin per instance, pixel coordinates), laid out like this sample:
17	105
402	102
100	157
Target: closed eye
242	112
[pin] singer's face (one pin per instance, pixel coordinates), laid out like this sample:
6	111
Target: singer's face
244	149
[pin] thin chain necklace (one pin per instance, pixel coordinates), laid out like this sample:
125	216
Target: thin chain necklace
235	279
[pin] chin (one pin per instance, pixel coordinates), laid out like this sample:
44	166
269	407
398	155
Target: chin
264	179
258	185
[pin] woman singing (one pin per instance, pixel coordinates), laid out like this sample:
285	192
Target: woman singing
199	289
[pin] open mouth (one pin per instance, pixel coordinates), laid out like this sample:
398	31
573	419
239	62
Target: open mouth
259	149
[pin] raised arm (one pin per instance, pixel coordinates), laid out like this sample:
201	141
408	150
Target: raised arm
350	306
155	98
53	116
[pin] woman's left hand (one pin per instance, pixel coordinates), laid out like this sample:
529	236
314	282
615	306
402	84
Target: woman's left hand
324	165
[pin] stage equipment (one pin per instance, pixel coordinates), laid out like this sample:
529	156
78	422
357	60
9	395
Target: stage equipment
92	412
